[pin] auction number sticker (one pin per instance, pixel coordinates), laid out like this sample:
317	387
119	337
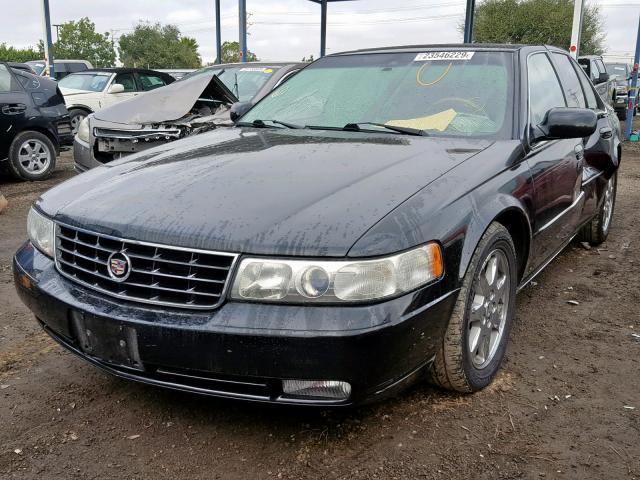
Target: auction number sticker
443	56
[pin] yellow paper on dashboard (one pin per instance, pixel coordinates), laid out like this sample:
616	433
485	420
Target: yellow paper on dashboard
439	121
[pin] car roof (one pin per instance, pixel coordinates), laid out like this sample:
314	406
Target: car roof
448	46
120	70
255	64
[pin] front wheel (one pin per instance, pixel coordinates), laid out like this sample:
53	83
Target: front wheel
476	338
597	230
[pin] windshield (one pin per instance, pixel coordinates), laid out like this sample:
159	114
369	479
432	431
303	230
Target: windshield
617	69
91	82
38	67
448	93
245	82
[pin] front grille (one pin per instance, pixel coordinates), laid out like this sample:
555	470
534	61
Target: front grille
159	274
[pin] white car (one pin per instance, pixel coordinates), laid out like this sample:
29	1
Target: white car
89	91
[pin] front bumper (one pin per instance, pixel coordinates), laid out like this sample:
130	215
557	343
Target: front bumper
241	350
83	158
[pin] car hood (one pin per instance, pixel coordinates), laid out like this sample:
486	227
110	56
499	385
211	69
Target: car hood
73	91
272	192
168	103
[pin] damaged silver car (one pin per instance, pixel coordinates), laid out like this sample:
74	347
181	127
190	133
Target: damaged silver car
198	102
195	104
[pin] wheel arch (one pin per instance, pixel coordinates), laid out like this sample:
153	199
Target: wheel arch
80	107
43	130
512	215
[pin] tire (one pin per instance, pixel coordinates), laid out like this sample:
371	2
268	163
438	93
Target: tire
456	367
32	156
597	230
75	118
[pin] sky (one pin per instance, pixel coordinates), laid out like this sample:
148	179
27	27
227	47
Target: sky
289	29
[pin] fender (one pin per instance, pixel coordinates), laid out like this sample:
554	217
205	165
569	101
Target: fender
514	213
457	208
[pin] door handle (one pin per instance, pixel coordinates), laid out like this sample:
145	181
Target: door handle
606	132
13	109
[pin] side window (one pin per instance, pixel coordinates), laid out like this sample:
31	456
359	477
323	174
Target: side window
7	82
570	82
590	95
127	81
150	82
545	92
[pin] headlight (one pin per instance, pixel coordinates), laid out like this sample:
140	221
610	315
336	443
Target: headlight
311	281
40	230
83	130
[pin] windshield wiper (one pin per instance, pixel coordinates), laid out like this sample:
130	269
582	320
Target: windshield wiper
405	130
258	123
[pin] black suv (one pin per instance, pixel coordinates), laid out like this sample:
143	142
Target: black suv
34	124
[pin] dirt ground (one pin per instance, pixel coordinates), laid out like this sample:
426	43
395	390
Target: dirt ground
565	405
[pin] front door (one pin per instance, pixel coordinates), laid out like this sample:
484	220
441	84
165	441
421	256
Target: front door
556	165
128	81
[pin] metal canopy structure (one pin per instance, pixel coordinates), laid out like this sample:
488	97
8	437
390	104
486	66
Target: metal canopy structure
242	10
323	22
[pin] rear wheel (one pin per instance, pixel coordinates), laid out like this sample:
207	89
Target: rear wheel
75	118
32	156
476	338
597	230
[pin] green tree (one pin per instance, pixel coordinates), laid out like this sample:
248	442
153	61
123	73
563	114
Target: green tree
80	41
11	54
537	21
231	53
158	46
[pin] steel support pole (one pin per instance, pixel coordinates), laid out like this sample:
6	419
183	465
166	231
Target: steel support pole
633	91
576	29
242	8
468	21
48	42
218	34
323	27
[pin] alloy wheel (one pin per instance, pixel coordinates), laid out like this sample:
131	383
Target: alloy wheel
34	157
489	308
607	205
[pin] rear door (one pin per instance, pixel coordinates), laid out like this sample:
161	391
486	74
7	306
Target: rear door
556	165
600	149
14	106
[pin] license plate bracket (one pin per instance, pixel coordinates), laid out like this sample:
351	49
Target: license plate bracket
107	341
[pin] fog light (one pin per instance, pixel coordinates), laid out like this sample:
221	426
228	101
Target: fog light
328	389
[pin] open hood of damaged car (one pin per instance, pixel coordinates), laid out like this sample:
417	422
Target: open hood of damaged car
168	103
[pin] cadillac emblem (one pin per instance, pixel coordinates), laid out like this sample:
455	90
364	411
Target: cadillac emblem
119	266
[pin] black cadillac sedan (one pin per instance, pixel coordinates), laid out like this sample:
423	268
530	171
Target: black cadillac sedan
366	225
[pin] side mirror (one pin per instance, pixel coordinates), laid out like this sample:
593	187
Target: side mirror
560	123
603	77
116	88
238	109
